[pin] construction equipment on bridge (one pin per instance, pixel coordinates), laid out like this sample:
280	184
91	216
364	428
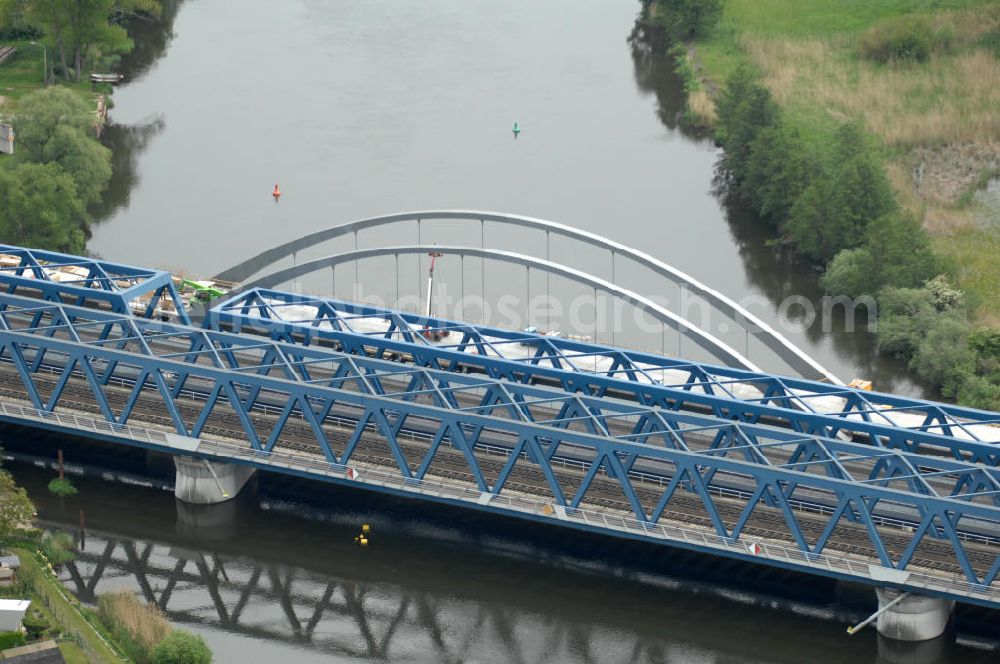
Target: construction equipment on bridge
121	288
204	291
432	334
531	329
798	362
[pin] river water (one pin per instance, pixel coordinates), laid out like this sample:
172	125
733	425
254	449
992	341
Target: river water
359	109
271	577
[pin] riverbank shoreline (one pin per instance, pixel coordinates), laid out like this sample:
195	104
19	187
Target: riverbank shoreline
23	73
65	610
938	174
885	193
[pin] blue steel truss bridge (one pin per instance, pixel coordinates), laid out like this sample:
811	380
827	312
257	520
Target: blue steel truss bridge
819	478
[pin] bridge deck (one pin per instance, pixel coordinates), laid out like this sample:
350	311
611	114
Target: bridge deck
313	318
534	436
576	483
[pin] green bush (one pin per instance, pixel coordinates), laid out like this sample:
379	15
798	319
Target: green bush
980	392
777	171
896	252
905	38
849	273
928	327
904	316
58	548
943	356
16	512
60	486
20	33
986	343
182	647
834	211
745	109
11	640
36	625
682	19
682	67
59	169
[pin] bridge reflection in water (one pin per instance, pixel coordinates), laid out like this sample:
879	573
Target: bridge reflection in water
358	617
286	580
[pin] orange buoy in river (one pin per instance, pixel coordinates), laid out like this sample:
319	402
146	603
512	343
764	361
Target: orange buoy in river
276	193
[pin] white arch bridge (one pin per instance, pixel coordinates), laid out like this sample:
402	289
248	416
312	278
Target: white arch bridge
772	349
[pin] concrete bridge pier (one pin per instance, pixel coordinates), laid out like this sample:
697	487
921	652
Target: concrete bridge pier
205	482
912	618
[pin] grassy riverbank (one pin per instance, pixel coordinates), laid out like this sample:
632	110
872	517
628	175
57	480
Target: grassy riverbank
935	115
23	73
62	609
864	132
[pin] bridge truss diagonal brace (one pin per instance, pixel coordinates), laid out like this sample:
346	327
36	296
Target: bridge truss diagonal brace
540	442
664	396
654	425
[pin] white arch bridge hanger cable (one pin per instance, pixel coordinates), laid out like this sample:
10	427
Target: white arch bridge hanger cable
718	348
798	360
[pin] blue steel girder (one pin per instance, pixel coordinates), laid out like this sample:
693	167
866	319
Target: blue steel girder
528	403
536	446
787	391
698	394
88	281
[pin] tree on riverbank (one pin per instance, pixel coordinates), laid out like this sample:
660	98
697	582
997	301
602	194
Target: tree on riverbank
864	135
59	169
85	31
41	208
682	19
835	206
54	127
16	512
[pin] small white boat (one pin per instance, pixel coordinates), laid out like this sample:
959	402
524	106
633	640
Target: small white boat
106	78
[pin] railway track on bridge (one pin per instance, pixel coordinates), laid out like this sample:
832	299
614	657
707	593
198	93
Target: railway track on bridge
604	494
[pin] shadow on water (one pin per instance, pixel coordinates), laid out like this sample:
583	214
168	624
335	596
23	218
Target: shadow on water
127	142
278	567
152	37
779	274
654	74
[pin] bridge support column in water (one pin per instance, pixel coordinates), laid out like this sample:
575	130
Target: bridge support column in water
202	482
914	618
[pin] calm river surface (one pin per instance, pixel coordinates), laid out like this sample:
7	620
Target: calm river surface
270	577
363	108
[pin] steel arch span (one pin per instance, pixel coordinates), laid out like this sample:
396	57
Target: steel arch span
719	349
794	356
